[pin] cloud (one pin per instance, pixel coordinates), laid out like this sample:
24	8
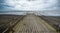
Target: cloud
31	4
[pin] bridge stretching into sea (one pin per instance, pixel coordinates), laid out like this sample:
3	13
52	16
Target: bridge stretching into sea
29	23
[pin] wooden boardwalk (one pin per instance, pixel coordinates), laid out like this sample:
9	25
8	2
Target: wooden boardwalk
33	24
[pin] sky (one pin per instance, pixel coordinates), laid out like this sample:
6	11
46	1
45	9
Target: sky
29	5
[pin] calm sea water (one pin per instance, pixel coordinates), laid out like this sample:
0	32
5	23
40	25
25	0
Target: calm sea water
46	13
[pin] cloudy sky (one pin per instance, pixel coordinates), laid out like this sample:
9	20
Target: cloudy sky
29	4
34	5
